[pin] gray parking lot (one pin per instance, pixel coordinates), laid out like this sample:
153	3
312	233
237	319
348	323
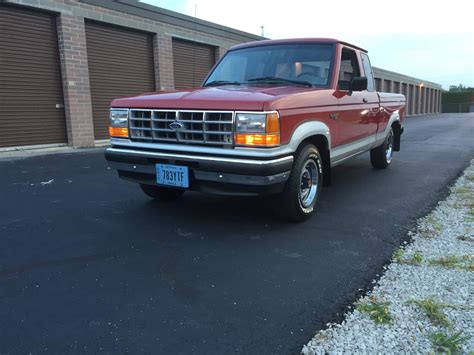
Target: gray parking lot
88	263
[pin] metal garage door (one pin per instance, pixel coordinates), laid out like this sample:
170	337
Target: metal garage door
31	95
192	62
120	64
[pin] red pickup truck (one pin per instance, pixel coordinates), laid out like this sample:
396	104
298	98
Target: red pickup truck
272	117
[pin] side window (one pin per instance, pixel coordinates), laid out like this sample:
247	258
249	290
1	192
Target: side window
368	71
349	68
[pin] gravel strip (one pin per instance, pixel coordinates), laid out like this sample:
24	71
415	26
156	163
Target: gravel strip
437	265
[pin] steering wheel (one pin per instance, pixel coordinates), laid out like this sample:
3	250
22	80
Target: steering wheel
307	76
312	78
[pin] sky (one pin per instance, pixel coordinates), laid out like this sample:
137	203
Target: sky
430	40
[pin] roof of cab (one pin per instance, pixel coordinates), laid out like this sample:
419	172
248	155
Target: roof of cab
270	42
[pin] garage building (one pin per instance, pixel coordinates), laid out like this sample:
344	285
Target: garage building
63	61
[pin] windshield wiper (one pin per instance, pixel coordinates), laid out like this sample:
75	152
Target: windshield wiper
283	80
222	82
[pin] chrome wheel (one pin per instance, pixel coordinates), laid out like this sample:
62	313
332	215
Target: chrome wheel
300	195
308	183
389	148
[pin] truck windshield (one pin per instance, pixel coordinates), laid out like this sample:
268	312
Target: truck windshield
291	64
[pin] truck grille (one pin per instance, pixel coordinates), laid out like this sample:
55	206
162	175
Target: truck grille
184	127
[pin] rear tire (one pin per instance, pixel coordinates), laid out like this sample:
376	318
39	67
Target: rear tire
297	201
381	156
165	194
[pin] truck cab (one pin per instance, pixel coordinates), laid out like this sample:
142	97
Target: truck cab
272	117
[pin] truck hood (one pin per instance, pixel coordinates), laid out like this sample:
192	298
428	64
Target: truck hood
229	97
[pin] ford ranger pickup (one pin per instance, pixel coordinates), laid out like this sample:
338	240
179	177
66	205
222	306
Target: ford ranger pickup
272	117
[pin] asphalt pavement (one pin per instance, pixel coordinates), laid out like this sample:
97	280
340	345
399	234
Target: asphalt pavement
90	264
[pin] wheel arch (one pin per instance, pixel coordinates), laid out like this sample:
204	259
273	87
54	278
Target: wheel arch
397	130
317	133
321	142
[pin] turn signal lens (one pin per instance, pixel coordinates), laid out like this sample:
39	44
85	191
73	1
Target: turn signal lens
267	140
273	123
121	132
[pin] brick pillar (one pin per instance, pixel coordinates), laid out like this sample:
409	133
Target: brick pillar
427	100
75	77
409	99
440	100
430	91
164	68
422	99
419	100
220	51
433	100
156	64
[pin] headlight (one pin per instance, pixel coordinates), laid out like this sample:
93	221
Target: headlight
118	123
118	117
257	129
250	122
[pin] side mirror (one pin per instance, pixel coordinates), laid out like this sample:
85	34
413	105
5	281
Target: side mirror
358	83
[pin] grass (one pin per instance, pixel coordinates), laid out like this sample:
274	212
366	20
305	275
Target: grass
377	311
433	310
465	238
462	262
447	261
414	259
431	227
463	204
448	344
471	211
470	266
437	226
462	190
398	255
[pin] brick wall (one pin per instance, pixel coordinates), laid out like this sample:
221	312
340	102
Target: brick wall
75	76
164	61
74	65
73	54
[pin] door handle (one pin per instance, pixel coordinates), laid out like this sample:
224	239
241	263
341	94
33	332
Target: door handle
364	100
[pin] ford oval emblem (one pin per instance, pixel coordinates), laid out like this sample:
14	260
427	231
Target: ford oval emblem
176	125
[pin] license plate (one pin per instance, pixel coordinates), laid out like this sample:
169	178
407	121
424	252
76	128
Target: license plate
172	175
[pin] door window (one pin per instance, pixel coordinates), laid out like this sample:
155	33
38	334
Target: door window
368	71
349	68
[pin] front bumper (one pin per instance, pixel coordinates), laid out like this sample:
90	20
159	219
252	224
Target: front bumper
208	173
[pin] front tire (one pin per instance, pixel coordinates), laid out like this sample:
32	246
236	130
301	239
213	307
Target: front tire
381	156
300	195
165	194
